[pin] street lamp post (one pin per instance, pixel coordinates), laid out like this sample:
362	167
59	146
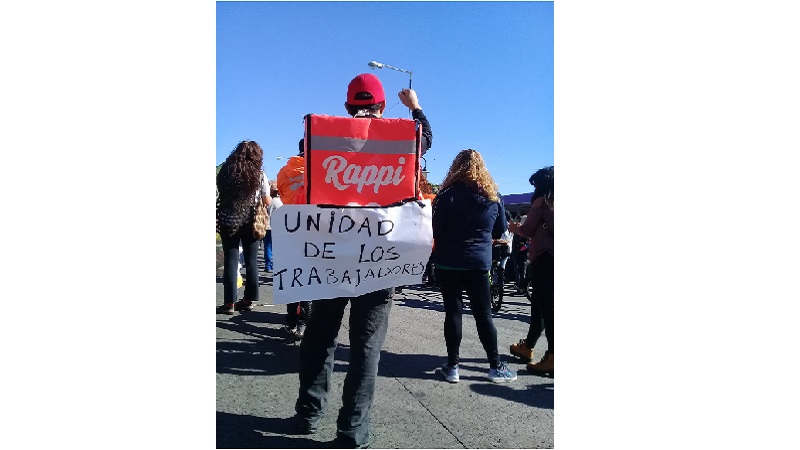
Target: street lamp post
376	65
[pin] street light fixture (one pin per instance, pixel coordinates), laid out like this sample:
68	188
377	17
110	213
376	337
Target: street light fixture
377	65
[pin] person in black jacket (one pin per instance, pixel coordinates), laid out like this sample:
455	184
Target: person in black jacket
467	215
369	315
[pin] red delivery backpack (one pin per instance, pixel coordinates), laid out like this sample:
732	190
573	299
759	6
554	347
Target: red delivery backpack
361	161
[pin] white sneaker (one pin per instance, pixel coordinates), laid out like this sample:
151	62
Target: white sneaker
448	373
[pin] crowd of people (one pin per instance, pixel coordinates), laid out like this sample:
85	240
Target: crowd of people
468	217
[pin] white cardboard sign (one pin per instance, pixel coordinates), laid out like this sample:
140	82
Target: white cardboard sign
324	253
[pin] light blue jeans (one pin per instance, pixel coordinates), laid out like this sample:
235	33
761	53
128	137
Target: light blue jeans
268	251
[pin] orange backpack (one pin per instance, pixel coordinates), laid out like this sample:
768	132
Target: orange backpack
290	181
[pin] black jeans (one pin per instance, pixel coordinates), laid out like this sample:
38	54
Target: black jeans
230	249
369	321
476	284
518	258
536	323
542	275
428	269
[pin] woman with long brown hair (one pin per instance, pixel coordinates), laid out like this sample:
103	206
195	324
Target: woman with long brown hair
240	185
467	215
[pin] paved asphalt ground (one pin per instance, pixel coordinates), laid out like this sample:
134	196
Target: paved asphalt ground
414	408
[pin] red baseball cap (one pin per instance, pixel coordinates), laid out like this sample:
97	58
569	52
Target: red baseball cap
366	82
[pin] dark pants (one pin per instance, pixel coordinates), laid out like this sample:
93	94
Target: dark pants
369	320
292	316
518	258
268	251
476	284
542	275
230	249
536	323
429	276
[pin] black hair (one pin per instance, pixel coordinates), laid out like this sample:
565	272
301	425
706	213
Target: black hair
542	181
301	147
373	108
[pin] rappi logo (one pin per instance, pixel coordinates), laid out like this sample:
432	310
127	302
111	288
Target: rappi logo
342	175
361	178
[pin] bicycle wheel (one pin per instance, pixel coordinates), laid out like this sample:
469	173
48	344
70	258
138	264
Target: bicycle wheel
497	299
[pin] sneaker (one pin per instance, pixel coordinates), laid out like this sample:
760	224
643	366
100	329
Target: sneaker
290	331
243	305
449	373
502	374
300	331
521	350
225	309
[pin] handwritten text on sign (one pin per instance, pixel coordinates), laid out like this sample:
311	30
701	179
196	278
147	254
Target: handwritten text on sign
323	253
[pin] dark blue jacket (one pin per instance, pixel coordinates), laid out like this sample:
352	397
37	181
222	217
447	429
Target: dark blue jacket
464	224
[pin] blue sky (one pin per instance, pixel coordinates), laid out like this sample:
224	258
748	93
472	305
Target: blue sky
483	72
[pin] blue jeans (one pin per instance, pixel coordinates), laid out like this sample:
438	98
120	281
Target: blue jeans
476	284
369	321
230	249
268	251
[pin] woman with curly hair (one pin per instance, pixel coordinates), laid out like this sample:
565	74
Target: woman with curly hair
240	185
467	215
539	228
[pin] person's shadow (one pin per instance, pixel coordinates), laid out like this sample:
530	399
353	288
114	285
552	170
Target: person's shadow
243	431
536	395
263	350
